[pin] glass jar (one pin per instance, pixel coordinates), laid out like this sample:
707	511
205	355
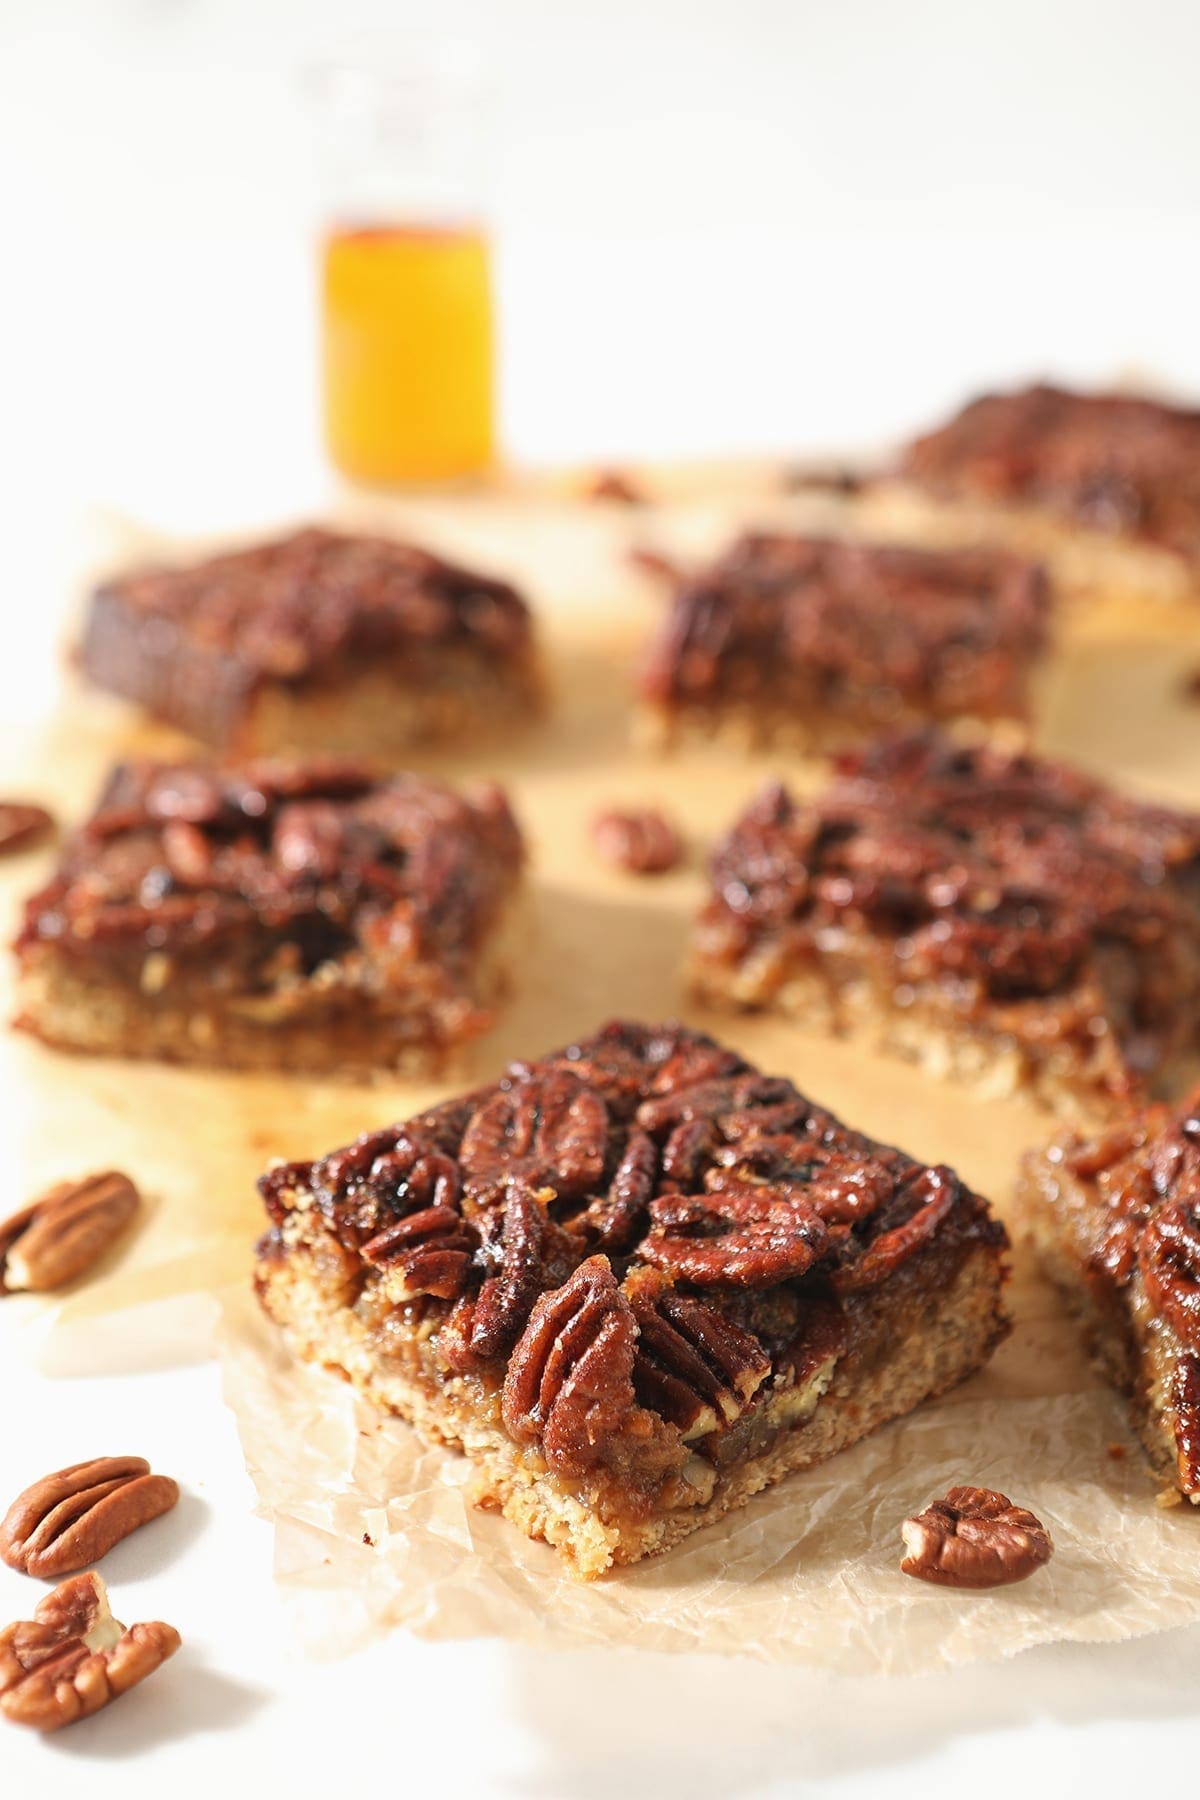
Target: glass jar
406	294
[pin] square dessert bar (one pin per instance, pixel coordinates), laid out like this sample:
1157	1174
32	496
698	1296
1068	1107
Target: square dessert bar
821	640
1115	1221
996	917
1105	470
636	1282
308	916
319	641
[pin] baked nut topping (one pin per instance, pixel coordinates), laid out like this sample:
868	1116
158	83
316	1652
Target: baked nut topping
22	825
987	899
626	1271
974	1538
1113	463
64	1233
298	914
1115	1219
74	1517
319	640
73	1657
641	843
823	639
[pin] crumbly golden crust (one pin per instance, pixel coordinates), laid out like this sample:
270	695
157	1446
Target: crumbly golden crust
636	1282
1115	1222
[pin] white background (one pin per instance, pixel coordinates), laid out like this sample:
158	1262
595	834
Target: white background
722	227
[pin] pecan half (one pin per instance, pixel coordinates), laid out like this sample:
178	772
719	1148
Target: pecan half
65	1232
974	1538
73	1657
506	1298
693	1367
616	1217
1185	1399
74	1517
22	825
936	1190
547	1128
426	1253
570	1378
1169	1256
750	1237
641	842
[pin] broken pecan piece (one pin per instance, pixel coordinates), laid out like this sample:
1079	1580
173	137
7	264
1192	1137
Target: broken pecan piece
428	1252
65	1232
570	1378
641	842
749	1237
22	825
693	1368
74	1517
974	1538
73	1657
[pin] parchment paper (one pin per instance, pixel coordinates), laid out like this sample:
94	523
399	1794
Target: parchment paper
806	1572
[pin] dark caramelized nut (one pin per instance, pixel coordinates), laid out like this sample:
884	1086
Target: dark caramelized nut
73	1657
569	1384
74	1517
974	1538
641	842
750	1239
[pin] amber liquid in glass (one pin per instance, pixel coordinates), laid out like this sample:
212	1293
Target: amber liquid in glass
407	329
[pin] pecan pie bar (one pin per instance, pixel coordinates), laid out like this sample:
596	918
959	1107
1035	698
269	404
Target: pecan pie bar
1115	1220
822	640
307	916
997	917
317	642
636	1282
1108	485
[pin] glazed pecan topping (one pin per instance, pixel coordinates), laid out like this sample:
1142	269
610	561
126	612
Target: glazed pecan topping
1014	878
1113	462
426	1252
693	1367
641	843
974	1538
1169	1256
73	1657
65	1232
547	1128
569	1384
618	1218
506	1298
75	1516
753	1237
933	1194
331	858
1185	1401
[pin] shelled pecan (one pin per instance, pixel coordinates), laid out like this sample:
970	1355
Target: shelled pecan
424	1253
693	1367
74	1517
640	841
65	1232
569	1383
22	825
974	1538
73	1657
751	1238
547	1128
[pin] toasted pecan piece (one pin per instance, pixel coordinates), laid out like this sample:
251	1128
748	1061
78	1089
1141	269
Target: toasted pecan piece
974	1538
65	1231
73	1657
